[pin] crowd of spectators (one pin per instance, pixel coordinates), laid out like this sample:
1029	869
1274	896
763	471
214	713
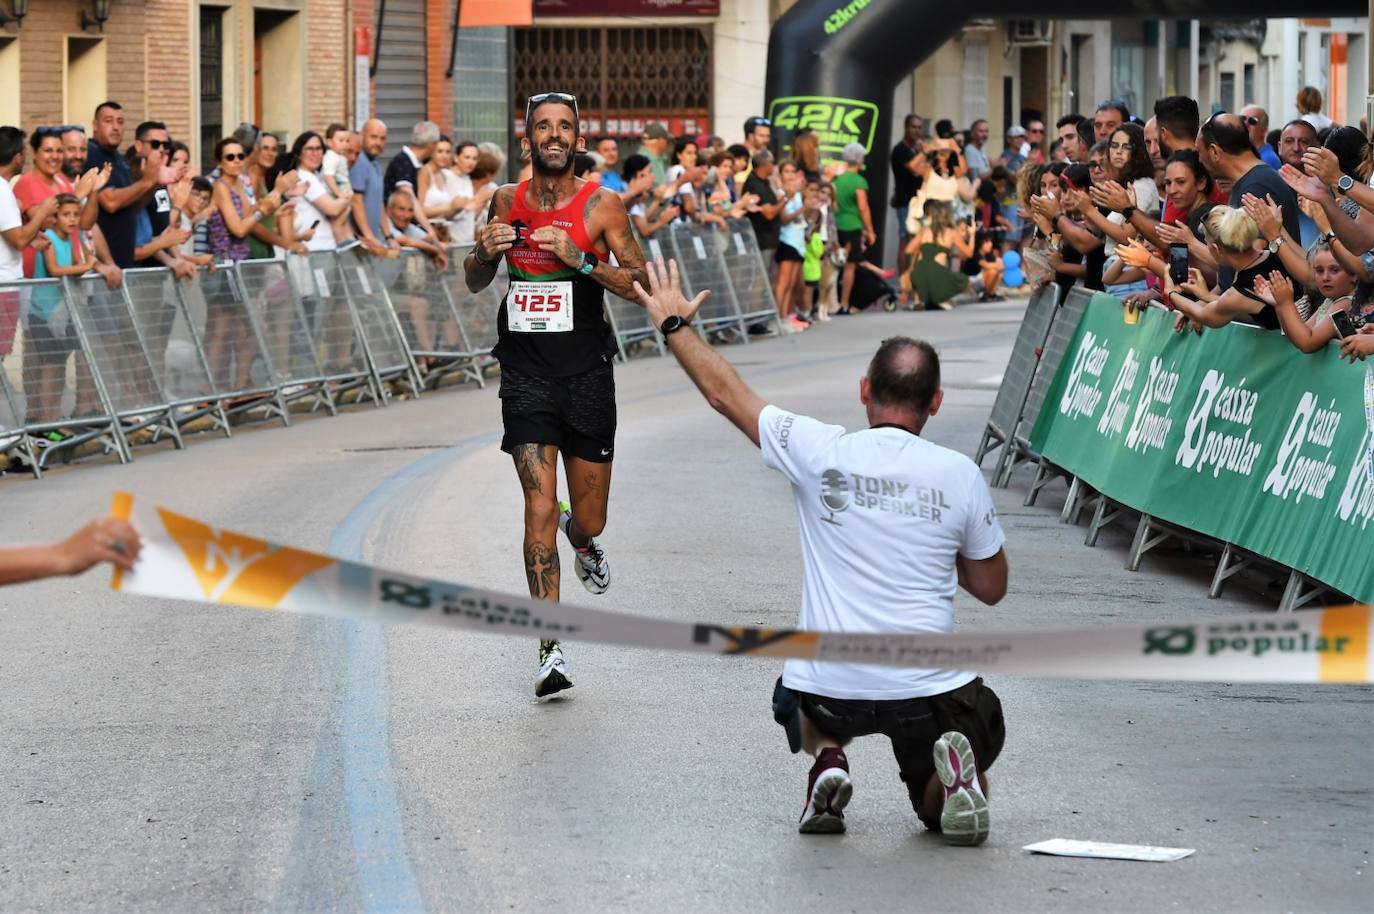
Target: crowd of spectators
1219	219
75	203
1223	219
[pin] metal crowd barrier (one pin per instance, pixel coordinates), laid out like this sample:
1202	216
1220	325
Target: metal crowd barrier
450	329
633	329
1045	334
1025	361
93	370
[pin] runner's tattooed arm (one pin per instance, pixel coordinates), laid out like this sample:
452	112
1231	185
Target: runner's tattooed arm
605	218
495	238
621	242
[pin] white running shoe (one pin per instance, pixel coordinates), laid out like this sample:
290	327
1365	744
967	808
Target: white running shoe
592	567
964	819
828	792
553	671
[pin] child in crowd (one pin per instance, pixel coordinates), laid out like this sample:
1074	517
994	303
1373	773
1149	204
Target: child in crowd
987	258
51	335
811	257
196	249
334	171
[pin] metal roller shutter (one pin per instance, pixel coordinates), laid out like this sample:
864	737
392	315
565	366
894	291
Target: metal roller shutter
400	84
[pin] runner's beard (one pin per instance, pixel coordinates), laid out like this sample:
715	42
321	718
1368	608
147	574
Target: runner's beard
543	168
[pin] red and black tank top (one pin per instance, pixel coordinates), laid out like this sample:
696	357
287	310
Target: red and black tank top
554	353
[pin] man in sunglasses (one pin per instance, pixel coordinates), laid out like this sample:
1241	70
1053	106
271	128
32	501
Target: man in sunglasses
565	240
151	138
1257	123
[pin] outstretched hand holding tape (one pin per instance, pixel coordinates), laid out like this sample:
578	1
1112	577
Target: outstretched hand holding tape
105	539
186	559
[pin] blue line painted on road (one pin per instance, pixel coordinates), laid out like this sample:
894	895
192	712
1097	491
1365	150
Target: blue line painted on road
385	875
386	878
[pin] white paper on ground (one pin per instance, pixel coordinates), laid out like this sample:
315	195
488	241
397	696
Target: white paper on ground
1067	847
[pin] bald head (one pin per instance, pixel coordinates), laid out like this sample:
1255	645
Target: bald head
1256	123
374	137
1152	142
903	378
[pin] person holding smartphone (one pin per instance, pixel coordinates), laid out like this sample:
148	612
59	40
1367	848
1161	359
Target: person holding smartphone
316	206
1277	290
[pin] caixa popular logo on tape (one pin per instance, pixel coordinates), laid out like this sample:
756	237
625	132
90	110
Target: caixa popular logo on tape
1255	639
836	121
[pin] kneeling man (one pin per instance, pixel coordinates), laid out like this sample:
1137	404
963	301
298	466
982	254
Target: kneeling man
891	525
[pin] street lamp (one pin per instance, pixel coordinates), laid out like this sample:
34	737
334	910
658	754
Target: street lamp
21	9
100	12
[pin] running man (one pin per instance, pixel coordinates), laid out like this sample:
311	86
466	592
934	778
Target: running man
555	348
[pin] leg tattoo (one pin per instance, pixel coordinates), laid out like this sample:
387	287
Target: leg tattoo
530	465
541	568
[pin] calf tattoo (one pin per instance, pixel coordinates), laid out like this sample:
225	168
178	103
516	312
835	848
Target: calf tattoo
541	569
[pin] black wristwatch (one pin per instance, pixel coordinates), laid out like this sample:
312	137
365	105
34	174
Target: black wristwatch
672	323
589	262
1128	212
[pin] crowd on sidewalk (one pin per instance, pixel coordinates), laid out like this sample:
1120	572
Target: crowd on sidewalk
1219	219
1223	219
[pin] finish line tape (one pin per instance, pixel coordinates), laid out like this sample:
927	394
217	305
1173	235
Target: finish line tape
186	559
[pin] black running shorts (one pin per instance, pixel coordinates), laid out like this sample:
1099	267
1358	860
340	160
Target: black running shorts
576	414
914	724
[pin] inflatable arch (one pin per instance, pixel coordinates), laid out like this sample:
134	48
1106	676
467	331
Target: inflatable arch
834	64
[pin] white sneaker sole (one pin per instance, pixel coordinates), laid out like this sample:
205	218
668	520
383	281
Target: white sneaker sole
964	820
832	793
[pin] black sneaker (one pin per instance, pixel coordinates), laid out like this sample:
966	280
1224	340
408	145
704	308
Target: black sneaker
553	671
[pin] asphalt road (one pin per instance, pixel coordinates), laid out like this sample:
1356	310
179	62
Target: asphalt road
157	756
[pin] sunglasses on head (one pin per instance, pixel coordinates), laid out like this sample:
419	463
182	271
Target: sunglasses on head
535	101
58	131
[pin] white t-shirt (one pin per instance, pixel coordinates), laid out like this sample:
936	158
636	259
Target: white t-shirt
883	513
307	214
684	190
1146	200
11	258
336	167
462	227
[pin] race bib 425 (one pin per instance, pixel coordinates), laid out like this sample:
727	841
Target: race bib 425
540	307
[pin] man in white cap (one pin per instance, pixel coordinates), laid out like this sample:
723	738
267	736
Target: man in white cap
1018	148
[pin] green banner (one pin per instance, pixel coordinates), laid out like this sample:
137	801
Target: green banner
1234	434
